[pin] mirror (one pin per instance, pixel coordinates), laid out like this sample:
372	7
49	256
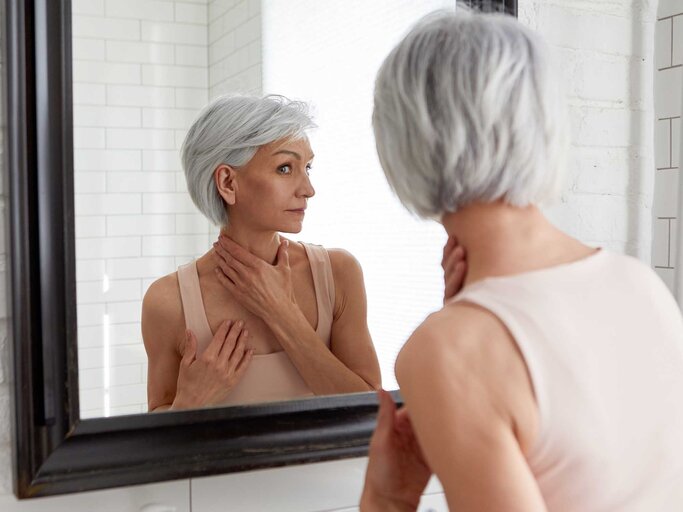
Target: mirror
56	449
140	76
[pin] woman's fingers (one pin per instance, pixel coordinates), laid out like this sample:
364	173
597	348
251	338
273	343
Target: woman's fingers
450	244
230	342
190	348
228	260
385	416
456	255
217	341
243	363
238	351
455	279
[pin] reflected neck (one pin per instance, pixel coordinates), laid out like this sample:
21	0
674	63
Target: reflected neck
263	244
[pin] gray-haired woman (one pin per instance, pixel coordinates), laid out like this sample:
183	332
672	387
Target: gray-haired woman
256	318
553	380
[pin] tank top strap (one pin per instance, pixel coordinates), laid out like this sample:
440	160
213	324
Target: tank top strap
193	305
323	281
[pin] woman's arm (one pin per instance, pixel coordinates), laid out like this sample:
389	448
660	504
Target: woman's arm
162	320
467	390
350	365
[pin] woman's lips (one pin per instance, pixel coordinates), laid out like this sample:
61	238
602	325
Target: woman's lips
296	211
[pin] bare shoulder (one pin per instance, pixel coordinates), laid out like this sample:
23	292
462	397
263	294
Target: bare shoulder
349	285
162	313
455	331
464	350
344	263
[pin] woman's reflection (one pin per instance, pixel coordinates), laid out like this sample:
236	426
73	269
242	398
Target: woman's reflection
257	318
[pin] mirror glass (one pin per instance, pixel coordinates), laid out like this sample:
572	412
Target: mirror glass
142	71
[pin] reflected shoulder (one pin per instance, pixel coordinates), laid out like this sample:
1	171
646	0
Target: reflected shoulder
343	263
162	310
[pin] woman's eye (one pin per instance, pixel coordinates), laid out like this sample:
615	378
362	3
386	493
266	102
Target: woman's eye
287	167
308	169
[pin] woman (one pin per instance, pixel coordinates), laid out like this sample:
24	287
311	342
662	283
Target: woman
553	380
258	317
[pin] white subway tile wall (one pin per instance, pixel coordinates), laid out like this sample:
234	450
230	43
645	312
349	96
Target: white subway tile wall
598	169
668	84
234	55
142	70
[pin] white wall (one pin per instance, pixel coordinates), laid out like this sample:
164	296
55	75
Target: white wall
234	47
140	76
668	83
606	50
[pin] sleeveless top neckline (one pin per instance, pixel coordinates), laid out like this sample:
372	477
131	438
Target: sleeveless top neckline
273	376
323	284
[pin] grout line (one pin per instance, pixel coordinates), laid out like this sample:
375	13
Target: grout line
670	143
665	268
668	249
665	118
670	17
671	54
658	168
670	67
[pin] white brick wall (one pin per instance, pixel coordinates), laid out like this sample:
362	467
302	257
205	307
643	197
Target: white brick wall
234	47
604	50
142	70
589	35
668	84
140	77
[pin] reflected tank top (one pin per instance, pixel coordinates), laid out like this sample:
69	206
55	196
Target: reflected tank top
602	339
269	377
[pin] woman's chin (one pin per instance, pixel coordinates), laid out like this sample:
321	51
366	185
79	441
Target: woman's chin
291	227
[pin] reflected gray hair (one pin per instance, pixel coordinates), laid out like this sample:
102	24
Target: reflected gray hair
467	108
229	130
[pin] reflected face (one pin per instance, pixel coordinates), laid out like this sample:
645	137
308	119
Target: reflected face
271	192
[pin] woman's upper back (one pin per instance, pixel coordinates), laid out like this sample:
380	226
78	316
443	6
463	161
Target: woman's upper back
602	339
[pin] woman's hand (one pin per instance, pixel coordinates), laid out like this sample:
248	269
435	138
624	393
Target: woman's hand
454	267
262	288
208	379
397	473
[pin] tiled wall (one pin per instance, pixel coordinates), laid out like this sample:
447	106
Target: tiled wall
234	47
595	38
668	92
140	76
142	71
604	50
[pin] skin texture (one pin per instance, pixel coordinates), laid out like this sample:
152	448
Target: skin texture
255	275
470	413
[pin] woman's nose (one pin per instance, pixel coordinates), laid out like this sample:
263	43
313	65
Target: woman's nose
306	188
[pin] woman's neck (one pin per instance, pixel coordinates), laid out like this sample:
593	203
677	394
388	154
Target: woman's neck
263	244
500	239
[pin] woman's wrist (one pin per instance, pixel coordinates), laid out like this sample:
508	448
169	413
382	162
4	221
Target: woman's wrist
282	315
180	402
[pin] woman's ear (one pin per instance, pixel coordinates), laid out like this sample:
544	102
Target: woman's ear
226	183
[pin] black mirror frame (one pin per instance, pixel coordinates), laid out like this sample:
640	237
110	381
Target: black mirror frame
54	451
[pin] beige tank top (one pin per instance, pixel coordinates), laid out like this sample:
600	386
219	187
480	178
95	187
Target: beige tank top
269	377
602	339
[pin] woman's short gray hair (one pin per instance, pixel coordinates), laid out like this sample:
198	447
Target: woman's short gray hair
468	109
229	130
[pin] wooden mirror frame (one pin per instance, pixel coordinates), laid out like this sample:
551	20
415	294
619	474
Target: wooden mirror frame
54	451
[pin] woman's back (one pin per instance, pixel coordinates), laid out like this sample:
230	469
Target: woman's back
602	339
